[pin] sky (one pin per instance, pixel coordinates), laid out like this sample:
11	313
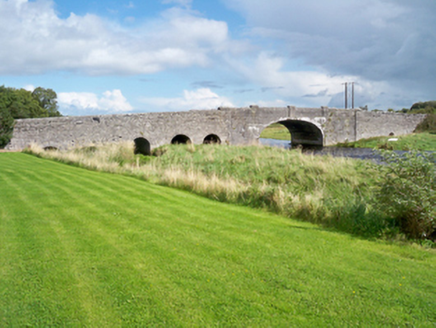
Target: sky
107	56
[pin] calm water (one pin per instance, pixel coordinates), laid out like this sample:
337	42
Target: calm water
359	153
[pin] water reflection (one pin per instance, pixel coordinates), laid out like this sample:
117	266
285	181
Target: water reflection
275	143
357	153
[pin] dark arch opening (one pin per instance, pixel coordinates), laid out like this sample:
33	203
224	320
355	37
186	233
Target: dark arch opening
303	134
142	146
48	148
212	139
180	139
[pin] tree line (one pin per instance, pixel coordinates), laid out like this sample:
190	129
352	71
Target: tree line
21	103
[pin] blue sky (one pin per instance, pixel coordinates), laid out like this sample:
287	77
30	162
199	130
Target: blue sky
104	57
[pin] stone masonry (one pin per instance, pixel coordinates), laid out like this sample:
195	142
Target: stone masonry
308	126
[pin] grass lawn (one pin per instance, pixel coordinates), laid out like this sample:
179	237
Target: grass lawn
83	248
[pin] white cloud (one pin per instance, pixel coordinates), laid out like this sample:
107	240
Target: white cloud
383	42
76	102
202	98
35	40
270	73
29	87
310	88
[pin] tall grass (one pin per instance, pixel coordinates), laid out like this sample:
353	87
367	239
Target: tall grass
325	190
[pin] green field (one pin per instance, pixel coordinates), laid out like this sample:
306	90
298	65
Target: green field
416	141
276	131
83	248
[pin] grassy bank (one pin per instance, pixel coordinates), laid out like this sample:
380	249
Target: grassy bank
351	195
83	248
417	141
331	191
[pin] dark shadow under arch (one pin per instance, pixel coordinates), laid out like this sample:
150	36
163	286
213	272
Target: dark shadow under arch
142	146
212	139
180	139
48	148
304	134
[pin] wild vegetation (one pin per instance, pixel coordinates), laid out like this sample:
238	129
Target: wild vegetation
408	192
334	192
84	248
20	103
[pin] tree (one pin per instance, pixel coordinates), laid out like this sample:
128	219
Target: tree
6	126
426	107
47	99
20	103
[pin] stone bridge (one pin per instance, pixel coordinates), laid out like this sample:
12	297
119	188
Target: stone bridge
309	127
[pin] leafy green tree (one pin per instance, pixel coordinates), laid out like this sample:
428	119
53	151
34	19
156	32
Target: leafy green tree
47	99
426	107
6	126
20	103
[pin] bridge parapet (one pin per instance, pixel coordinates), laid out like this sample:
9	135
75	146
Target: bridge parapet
308	126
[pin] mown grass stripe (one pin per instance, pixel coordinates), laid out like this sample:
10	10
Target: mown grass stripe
31	267
89	225
195	262
93	229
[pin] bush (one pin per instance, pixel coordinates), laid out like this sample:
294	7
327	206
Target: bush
407	192
428	124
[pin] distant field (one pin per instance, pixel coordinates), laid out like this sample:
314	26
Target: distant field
416	141
82	248
276	131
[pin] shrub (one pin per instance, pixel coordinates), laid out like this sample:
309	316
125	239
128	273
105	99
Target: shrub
407	192
428	124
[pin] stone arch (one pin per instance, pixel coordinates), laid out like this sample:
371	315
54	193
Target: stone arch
180	139
212	139
304	133
142	146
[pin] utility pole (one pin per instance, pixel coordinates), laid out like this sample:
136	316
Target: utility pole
346	94
352	94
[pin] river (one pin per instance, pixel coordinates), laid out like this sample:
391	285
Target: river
358	153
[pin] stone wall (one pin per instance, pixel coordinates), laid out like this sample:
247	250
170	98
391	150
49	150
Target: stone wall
309	126
157	128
